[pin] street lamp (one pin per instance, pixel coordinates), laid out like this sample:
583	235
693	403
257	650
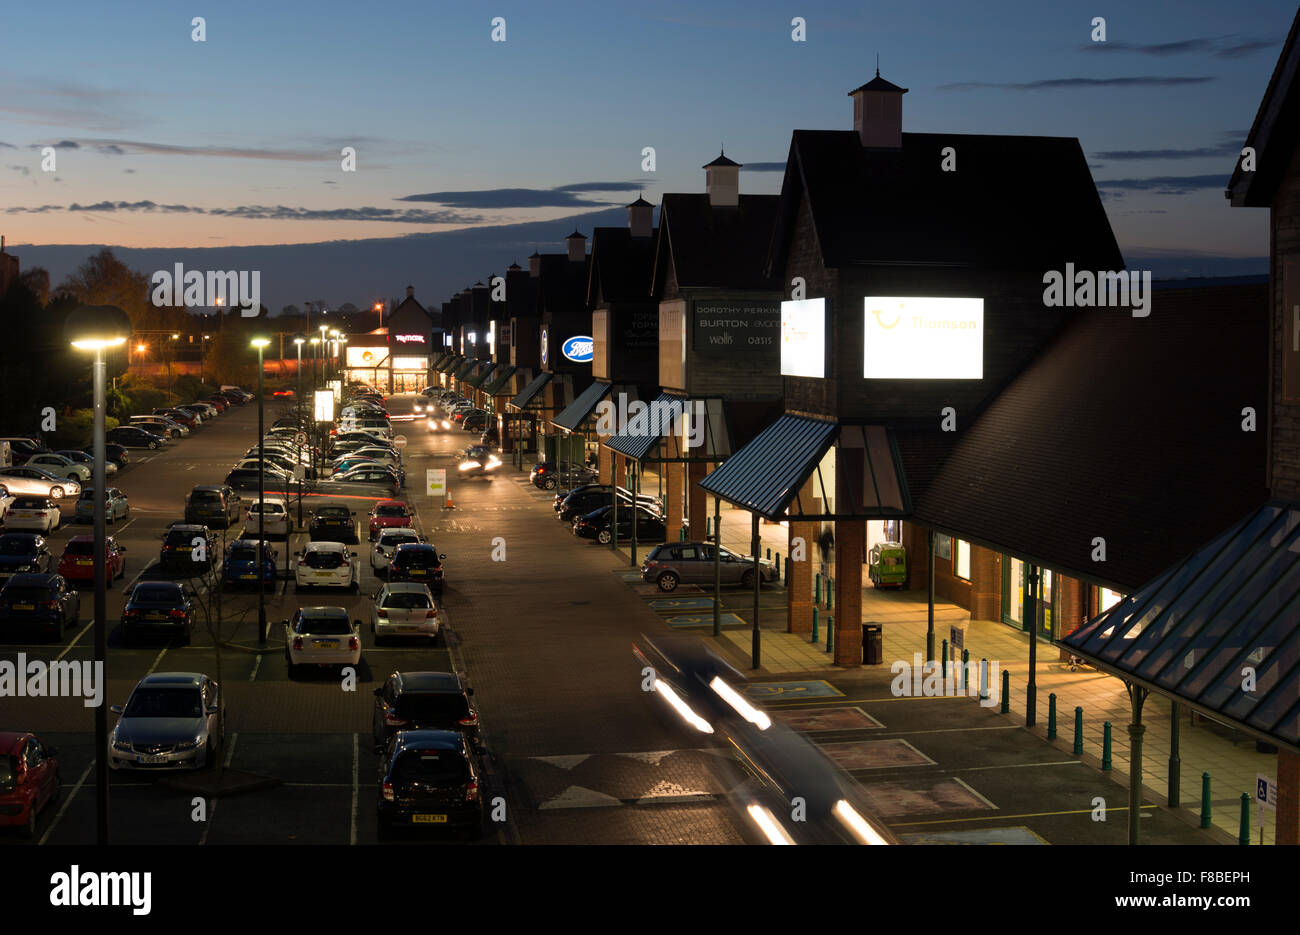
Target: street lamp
97	328
260	343
299	340
171	352
315	362
202	346
379	307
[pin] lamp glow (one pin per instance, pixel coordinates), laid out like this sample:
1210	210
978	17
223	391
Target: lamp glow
856	824
768	824
743	707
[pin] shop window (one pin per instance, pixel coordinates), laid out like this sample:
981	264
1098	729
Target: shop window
961	559
1106	599
943	546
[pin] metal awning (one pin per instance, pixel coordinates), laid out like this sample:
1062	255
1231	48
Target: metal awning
530	392
676	428
1194	632
504	373
578	411
481	377
466	368
437	364
854	470
448	365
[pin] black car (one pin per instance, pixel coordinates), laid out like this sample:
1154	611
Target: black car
23	552
333	523
128	436
583	500
476	421
423	701
43	601
212	505
21	448
550	474
650	526
178	553
247	479
419	562
364	479
158	608
429	778
115	453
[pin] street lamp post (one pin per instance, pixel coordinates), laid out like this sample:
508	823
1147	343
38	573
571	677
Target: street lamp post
298	341
96	328
171	352
324	347
202	346
261	343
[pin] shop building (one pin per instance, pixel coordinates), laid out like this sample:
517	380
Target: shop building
397	358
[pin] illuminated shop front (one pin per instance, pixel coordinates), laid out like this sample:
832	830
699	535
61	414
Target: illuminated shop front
389	363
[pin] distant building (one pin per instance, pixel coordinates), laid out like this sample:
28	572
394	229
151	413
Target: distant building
8	269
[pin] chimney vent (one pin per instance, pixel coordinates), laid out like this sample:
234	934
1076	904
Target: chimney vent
640	218
722	182
878	113
577	245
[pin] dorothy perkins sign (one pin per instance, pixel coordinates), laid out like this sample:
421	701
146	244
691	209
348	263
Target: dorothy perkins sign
737	327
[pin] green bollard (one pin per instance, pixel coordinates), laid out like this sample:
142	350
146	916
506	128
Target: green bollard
944	674
681	534
816	637
830	634
817	588
965	670
1105	747
1051	716
778	566
1243	836
1205	800
830	592
1078	731
1006	691
769	555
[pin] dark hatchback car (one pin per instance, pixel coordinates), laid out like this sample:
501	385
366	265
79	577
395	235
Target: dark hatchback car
29	780
131	437
424	701
43	602
650	526
429	779
420	562
550	474
211	505
583	500
246	479
158	608
23	552
115	453
333	523
181	555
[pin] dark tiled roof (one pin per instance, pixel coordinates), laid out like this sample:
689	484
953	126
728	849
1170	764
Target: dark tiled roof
1015	202
622	266
878	84
1275	132
722	160
724	248
1129	429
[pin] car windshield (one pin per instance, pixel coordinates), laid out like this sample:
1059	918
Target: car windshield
16	545
390	511
433	708
324	626
27	595
321	559
88	493
421	557
205	496
164	702
29	503
407	601
157	593
243	553
396	540
266	508
332	512
182	537
432	767
8	773
79	548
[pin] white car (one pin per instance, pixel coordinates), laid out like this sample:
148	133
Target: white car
6	500
60	466
327	565
41	483
32	511
80	457
274	516
321	636
389	539
405	608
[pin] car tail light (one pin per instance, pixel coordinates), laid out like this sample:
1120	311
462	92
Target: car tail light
382	612
297	642
388	791
176	614
131	612
468	721
392	720
354	643
430	614
471	791
51	605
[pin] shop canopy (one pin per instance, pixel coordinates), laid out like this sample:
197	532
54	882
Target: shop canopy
450	364
666	431
531	392
467	368
481	377
770	475
504	373
1218	630
578	411
442	359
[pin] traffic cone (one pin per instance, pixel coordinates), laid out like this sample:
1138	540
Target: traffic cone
449	505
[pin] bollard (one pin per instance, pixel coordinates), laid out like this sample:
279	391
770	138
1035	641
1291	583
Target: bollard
984	680
1243	837
816	637
1051	716
1006	691
1105	747
945	662
817	588
769	555
778	566
1205	800
681	534
965	670
1078	731
830	634
787	573
830	592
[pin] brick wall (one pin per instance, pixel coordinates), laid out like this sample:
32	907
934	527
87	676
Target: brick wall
804	259
985	584
1284	430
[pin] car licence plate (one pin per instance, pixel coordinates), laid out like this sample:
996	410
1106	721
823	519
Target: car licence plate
417	571
326	644
429	819
152	758
155	616
85	561
24	607
323	574
248	577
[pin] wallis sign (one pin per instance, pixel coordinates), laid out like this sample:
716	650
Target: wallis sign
736	327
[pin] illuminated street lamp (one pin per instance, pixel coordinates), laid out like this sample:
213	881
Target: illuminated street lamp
379	307
97	328
260	343
315	362
299	341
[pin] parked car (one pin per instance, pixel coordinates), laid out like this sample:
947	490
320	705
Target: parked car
388	514
213	505
327	565
428	778
332	522
60	466
33	512
116	505
550	474
240	564
172	720
23	552
78	560
272	479
115	455
179	416
405	608
269	517
161	425
220	403
424	701
204	412
39	483
418	561
187	549
133	436
6	501
21	448
364	479
381	554
29	780
41	601
475	421
84	458
321	636
597	525
673	563
579	502
158	608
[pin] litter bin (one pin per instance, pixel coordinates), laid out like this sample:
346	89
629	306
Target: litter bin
873	645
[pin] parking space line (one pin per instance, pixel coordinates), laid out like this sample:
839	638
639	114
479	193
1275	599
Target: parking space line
955	821
75	640
66	802
967	786
257	664
207	825
157	659
971	769
356	769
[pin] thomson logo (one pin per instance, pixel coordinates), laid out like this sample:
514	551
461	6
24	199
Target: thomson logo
675	417
208	289
78	888
41	679
1106	289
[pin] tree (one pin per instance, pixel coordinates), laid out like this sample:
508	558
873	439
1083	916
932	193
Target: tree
290	311
103	279
37	281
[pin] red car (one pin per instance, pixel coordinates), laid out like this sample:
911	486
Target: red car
78	560
29	780
283	393
220	402
179	415
387	514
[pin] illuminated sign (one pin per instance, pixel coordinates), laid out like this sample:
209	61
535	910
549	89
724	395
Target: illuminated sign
803	338
580	348
366	356
324	405
921	338
545	344
409	338
410	363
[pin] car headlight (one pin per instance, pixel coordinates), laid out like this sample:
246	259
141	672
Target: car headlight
187	744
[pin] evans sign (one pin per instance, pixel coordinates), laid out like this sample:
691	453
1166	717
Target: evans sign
919	338
736	327
580	348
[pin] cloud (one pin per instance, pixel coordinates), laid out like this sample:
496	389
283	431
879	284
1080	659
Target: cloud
1153	81
61	144
263	212
23	169
600	187
1230	46
765	167
1167	184
561	196
124	147
149	206
4	145
111	149
1223	149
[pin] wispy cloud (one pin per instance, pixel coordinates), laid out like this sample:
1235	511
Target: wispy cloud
262	212
1137	81
562	196
1166	184
1230	46
1223	149
128	147
61	144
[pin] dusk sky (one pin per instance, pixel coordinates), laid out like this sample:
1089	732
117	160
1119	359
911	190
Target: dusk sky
164	141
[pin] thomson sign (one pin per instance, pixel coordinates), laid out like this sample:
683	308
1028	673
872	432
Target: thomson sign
919	338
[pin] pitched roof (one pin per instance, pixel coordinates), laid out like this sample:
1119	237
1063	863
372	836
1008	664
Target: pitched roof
720	249
1275	132
1015	202
722	160
622	266
878	84
1128	429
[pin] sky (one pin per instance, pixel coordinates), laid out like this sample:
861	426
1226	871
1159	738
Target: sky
162	141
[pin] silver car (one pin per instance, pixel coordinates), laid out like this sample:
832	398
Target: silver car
171	721
672	563
405	608
27	480
60	466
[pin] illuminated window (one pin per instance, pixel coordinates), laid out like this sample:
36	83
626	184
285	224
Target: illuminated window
1106	599
961	559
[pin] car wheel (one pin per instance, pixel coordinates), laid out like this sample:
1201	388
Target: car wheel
604	537
153	445
747	579
667	581
549	483
72	477
56	493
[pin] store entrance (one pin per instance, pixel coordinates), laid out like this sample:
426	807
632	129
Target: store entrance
1017	610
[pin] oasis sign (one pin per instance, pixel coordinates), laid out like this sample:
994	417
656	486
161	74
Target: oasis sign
580	348
736	327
